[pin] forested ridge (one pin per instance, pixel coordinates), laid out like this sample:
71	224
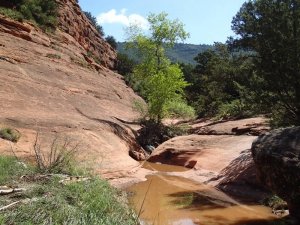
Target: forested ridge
255	72
180	52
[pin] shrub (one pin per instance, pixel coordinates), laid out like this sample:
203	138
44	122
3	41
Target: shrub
42	12
233	109
58	159
153	133
10	134
13	14
275	203
178	130
179	109
141	108
53	56
125	66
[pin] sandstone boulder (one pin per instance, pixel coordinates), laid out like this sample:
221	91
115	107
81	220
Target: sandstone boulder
277	159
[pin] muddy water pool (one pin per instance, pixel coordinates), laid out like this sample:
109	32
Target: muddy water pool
173	200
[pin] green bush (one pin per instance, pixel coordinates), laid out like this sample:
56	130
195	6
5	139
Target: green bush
141	108
234	109
58	158
10	134
13	14
125	66
42	12
153	133
94	22
179	109
178	130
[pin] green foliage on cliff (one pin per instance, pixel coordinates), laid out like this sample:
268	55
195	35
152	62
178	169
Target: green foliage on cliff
94	22
41	12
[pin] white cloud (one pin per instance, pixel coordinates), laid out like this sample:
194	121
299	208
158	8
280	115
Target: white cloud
112	16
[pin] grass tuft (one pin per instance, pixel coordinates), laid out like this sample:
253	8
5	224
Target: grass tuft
92	201
10	134
11	169
53	56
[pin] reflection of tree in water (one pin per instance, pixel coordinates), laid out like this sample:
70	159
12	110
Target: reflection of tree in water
198	200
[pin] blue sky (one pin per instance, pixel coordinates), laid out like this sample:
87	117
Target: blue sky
207	21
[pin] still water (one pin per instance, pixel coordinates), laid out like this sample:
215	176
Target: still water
172	200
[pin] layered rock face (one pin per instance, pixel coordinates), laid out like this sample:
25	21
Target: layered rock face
74	22
49	86
277	159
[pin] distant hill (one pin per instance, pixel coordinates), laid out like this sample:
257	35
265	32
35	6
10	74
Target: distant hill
180	53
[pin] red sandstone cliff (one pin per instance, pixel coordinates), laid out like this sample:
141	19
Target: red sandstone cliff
73	21
48	84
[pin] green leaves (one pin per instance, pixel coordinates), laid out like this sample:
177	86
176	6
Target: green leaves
271	29
161	81
164	87
166	31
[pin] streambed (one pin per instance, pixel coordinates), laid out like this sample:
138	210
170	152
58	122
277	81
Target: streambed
173	200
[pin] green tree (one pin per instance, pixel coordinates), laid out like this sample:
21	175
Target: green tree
162	81
270	30
218	83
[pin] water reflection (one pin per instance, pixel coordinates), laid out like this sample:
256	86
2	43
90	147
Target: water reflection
163	167
174	200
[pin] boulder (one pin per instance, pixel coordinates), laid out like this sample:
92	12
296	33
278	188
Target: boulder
277	159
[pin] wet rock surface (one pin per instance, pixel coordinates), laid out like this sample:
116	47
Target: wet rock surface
277	159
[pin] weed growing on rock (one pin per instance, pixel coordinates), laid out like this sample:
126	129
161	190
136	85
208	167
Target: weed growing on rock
13	14
53	56
10	134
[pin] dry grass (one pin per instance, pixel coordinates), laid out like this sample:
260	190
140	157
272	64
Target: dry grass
59	158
